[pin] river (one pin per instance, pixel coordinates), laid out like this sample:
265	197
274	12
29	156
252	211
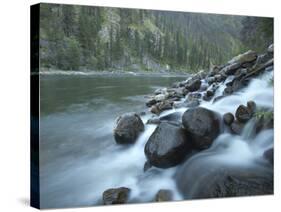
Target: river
79	158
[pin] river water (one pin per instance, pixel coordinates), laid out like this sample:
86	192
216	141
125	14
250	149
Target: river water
79	158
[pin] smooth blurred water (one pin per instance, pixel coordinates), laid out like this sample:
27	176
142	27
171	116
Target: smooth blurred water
78	155
79	158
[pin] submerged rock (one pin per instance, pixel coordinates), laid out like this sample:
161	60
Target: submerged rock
203	125
116	196
237	127
164	195
127	129
167	146
226	182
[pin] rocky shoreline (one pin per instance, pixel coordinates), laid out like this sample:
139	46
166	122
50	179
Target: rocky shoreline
180	135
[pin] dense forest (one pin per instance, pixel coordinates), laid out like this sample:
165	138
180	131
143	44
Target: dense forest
99	38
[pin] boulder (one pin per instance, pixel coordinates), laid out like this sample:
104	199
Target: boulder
193	85
228	118
203	125
246	57
116	196
164	195
243	114
161	106
167	146
127	129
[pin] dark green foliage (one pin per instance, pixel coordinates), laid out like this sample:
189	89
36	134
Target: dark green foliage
257	33
97	38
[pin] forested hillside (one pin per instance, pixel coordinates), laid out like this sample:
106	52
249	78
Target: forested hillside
98	38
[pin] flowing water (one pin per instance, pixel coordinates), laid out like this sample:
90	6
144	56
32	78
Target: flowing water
79	158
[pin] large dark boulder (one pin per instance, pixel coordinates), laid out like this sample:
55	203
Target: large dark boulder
116	196
167	146
203	125
127	129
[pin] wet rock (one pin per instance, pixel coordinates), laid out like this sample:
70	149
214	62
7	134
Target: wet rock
231	69
154	109
116	196
237	127
160	97
243	114
203	125
209	93
161	106
206	97
164	195
269	155
228	90
210	80
218	77
150	102
127	129
194	85
194	96
228	118
167	146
